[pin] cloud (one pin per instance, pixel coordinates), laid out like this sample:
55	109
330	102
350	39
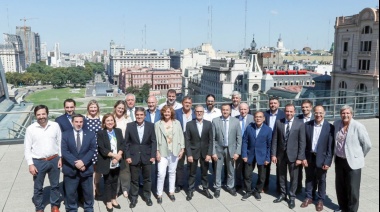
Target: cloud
274	12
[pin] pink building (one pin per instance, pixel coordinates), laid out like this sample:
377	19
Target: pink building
158	79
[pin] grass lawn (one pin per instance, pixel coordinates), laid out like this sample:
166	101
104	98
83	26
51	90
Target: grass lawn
53	98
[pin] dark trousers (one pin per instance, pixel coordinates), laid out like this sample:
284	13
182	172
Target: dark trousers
347	185
180	171
315	175
193	173
110	184
51	169
283	164
300	178
124	181
71	195
239	171
267	177
248	172
147	183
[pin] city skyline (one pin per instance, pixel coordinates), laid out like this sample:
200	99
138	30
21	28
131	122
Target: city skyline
82	27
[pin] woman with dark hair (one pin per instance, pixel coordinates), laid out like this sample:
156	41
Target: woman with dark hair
120	114
170	148
111	145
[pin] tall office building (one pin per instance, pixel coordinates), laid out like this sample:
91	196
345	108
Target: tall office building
31	44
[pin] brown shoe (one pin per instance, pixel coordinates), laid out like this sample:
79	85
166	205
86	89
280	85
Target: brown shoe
319	206
306	202
54	209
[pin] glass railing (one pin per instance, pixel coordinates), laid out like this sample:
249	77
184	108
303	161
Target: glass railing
14	122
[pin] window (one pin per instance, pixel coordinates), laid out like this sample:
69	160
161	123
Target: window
342	92
365	46
361	89
345	46
364	65
344	64
367	30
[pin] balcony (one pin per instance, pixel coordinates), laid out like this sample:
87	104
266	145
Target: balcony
364	53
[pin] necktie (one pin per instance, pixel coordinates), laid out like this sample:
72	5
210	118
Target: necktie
131	114
79	143
225	132
287	132
242	126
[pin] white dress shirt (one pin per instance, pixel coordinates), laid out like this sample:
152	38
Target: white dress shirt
186	119
129	111
272	119
210	115
316	133
306	118
42	142
290	123
235	111
140	130
176	105
199	127
152	116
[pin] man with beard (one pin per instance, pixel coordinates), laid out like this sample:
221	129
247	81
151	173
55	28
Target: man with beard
64	120
42	148
236	99
211	111
171	97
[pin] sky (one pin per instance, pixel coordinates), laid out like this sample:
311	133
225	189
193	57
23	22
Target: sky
81	26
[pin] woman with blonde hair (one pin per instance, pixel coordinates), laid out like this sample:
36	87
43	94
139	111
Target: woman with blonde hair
94	124
170	148
121	118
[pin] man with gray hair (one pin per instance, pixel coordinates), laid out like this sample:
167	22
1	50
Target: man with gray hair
352	143
130	99
236	99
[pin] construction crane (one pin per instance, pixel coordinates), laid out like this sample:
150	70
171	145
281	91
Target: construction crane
26	39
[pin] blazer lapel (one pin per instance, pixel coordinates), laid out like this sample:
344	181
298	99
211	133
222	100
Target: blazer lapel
162	128
196	128
136	133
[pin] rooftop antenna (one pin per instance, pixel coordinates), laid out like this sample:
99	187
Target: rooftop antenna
142	39
145	35
245	25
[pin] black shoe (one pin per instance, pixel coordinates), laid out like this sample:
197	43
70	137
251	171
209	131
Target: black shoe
116	206
217	194
207	194
177	189
257	195
189	195
159	200
238	187
232	191
149	202
133	204
246	196
109	209
292	204
172	197
279	199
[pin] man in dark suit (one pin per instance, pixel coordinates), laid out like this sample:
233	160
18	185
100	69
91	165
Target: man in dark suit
183	115
271	116
307	115
288	152
65	120
256	145
245	119
198	142
78	148
140	154
319	153
152	113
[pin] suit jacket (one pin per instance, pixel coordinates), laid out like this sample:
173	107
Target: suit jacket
144	151
300	116
257	147
280	115
234	136
357	144
248	121
198	146
157	117
70	153
325	144
179	116
296	141
65	124
104	148
178	138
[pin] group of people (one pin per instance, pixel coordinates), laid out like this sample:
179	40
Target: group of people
120	148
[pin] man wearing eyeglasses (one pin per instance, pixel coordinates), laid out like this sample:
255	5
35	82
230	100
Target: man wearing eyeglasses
198	141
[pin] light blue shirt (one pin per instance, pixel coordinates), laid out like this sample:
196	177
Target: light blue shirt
272	119
185	120
140	130
258	129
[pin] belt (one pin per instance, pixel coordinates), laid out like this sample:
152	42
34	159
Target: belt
48	158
